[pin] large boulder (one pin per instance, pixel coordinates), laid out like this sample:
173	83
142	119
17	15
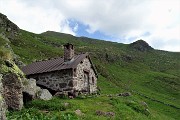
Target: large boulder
44	94
13	91
32	91
2	102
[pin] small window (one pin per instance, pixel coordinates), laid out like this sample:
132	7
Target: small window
75	72
92	80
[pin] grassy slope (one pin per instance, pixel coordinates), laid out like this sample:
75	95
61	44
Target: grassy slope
153	73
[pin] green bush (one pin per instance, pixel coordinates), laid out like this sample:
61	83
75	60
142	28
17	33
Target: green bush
3	41
5	54
69	116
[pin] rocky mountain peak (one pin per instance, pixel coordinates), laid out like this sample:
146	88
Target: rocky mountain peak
141	45
8	28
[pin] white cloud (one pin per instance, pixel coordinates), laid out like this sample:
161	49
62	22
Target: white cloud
64	28
35	18
127	19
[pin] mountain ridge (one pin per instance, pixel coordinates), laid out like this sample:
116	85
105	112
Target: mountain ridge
122	67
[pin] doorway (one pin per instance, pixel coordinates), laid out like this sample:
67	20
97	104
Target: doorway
86	82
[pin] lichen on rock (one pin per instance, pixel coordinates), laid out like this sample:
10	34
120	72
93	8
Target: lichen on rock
2	102
13	91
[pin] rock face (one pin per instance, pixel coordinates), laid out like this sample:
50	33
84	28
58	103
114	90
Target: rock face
141	45
13	91
9	27
2	102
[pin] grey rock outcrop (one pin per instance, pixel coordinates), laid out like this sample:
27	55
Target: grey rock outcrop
13	91
2	102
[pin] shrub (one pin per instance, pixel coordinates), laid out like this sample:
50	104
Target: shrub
5	54
69	116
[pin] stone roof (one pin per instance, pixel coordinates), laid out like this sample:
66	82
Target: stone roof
55	64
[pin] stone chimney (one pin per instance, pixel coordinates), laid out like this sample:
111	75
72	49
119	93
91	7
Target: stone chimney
68	52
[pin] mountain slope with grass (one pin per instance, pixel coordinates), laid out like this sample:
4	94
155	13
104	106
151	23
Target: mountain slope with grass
150	75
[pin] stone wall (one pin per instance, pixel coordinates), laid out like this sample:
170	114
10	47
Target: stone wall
57	80
2	102
85	68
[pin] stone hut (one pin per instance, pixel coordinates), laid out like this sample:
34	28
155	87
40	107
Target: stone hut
71	73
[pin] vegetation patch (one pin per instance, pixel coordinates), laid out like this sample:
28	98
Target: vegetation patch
54	104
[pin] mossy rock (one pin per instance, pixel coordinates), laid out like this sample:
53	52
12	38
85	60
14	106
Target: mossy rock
11	69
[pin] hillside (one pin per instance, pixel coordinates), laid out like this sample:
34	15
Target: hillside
152	76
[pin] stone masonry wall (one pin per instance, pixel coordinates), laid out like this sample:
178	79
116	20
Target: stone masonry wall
57	80
83	68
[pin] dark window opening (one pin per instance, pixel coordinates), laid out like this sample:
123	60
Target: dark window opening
93	80
74	73
86	81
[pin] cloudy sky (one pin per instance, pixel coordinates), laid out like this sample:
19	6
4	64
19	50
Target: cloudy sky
124	21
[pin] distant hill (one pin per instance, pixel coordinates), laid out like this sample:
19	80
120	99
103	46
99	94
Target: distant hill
151	75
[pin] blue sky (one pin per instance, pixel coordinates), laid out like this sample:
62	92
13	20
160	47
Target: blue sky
81	30
124	21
